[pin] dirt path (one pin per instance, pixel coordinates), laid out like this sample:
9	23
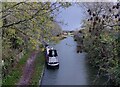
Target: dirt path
28	70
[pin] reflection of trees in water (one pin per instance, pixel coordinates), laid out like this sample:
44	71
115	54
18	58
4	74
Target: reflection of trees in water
80	46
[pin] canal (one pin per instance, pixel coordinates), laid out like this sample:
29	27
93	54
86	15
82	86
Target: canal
74	68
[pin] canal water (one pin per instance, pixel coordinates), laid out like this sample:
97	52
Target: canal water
74	68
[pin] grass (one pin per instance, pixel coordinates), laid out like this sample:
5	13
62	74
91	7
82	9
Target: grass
39	63
16	73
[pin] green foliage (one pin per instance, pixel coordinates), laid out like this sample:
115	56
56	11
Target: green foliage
102	43
13	77
103	53
25	25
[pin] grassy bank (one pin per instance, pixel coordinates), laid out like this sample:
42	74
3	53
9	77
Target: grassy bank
39	63
16	73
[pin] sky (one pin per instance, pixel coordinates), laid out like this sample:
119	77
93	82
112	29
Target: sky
72	16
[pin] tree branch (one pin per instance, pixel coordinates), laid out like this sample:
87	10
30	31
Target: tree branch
5	26
11	7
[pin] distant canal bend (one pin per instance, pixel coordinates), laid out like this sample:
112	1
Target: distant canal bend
73	69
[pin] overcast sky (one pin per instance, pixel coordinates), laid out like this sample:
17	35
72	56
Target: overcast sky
72	16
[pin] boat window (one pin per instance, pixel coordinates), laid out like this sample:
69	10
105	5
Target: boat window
52	53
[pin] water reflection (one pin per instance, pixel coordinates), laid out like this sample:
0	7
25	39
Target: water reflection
74	68
79	49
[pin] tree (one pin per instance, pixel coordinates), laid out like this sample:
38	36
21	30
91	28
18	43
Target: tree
25	25
101	38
